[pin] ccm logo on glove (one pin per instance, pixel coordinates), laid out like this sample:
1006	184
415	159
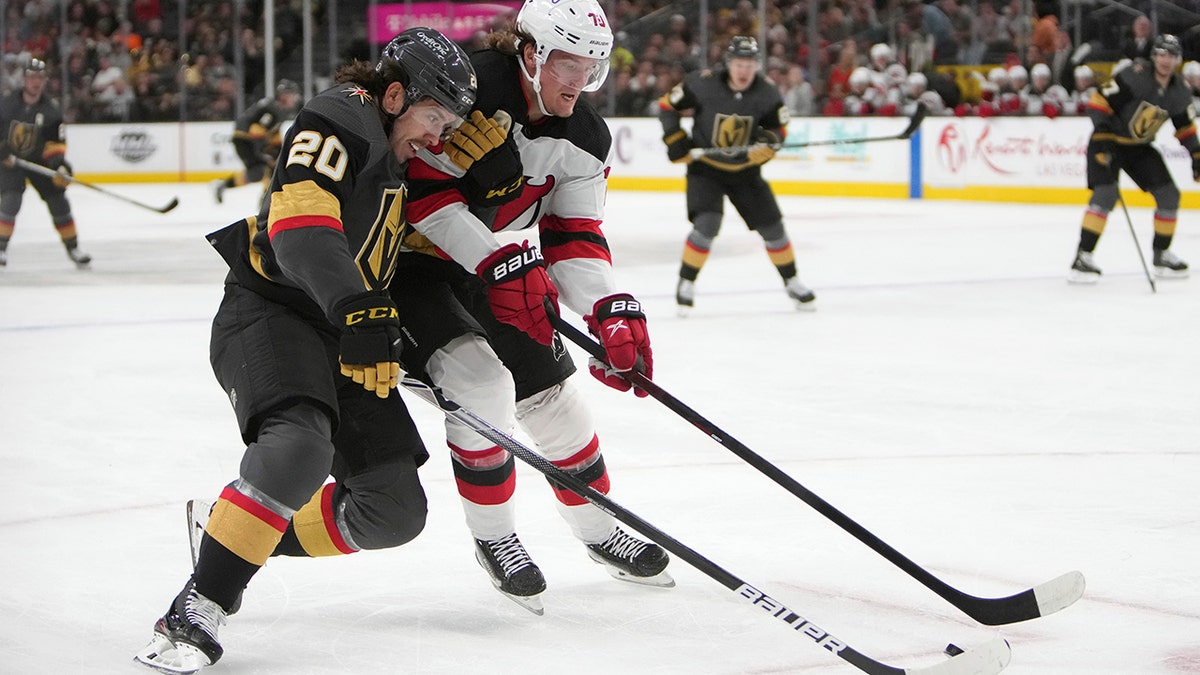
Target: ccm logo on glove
371	314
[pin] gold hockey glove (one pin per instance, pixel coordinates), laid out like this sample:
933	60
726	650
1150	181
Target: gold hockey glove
481	147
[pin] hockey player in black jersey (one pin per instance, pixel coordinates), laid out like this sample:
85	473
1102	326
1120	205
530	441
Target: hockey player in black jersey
256	137
31	127
733	107
306	341
531	76
1127	113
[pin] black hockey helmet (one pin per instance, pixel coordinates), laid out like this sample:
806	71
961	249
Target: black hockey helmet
1167	44
430	65
35	66
286	87
742	47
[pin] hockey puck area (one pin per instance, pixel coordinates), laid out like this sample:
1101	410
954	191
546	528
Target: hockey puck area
952	650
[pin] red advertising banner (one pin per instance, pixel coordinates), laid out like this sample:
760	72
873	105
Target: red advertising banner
456	20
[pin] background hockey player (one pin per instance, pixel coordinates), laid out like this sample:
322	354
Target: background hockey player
532	73
731	107
1128	112
256	137
32	128
306	341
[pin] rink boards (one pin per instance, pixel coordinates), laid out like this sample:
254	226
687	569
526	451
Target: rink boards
1024	160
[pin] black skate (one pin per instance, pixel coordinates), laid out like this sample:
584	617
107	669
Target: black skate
685	296
512	571
185	638
1167	265
80	257
630	559
1083	270
802	296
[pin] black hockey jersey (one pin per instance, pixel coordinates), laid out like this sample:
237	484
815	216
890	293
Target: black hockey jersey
259	125
566	163
724	118
1132	107
33	132
334	218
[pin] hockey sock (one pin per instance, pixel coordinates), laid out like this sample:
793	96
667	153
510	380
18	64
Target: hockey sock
1092	228
784	260
313	532
693	259
1164	232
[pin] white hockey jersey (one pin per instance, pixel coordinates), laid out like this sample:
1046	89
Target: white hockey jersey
566	163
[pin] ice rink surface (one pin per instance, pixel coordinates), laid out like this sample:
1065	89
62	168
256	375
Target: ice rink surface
952	394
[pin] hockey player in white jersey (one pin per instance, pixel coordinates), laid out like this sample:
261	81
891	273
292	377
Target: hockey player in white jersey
496	352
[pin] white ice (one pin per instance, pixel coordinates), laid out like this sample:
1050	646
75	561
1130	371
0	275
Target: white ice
952	393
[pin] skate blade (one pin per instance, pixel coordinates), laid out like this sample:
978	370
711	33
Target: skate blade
167	657
1168	273
809	306
1085	278
532	603
661	580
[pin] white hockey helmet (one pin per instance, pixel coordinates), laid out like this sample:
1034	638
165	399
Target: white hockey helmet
577	27
1040	71
880	52
1018	72
997	75
895	74
1191	69
860	78
1084	74
917	83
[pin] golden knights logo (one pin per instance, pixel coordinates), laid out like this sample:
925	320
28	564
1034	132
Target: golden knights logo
377	257
22	138
1145	122
730	131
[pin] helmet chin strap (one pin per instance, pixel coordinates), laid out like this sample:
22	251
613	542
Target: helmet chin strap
535	81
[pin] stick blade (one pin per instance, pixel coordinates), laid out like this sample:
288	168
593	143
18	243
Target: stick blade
170	205
915	123
988	658
1058	594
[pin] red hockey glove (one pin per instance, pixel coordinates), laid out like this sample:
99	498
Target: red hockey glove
517	283
370	344
620	325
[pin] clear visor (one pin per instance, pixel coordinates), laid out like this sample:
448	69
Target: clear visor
434	118
575	72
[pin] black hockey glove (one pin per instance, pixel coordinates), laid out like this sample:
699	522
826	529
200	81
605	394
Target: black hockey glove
1196	166
481	146
370	345
679	147
63	174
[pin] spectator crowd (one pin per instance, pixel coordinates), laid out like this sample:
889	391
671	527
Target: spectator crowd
141	61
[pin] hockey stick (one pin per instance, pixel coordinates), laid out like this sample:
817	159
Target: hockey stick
1136	243
985	659
914	123
1032	603
47	171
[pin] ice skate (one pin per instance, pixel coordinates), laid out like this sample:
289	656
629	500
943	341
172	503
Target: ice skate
685	296
1167	265
801	295
218	189
185	638
197	515
512	571
630	559
1083	270
80	257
